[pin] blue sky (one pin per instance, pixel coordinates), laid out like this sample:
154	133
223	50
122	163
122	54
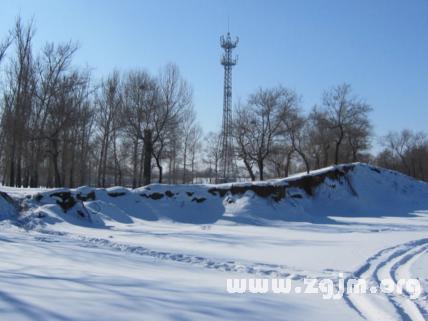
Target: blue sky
380	47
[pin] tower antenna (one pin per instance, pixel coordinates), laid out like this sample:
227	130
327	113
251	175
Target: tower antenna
228	44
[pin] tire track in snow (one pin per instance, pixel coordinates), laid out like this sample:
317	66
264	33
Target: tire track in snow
385	264
253	268
401	270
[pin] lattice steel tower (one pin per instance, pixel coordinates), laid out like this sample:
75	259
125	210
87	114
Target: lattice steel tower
228	62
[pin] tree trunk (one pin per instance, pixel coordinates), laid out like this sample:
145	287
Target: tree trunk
34	175
56	170
170	170
160	169
12	166
305	160
117	170
18	180
326	158
337	151
103	179
148	150
184	163
250	170
135	164
287	164
55	154
100	167
261	169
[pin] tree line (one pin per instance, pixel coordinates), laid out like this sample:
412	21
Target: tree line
60	127
274	136
271	130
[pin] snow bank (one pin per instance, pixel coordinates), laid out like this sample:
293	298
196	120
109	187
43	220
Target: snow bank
343	190
8	207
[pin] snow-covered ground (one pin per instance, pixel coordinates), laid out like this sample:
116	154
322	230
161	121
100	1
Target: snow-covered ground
117	255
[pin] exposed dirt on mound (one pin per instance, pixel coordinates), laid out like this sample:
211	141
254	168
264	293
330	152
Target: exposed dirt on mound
277	192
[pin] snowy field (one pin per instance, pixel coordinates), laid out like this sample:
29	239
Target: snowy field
116	264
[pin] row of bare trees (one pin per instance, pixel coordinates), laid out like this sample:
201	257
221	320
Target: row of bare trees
60	128
144	121
405	151
273	135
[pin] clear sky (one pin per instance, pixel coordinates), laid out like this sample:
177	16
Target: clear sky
380	47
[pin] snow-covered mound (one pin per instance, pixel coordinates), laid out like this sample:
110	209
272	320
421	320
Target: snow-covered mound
98	206
8	207
343	190
359	190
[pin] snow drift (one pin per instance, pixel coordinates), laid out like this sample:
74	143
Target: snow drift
8	207
343	190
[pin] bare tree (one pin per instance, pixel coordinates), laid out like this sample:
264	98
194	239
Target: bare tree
212	153
242	131
141	98
18	101
258	123
61	119
321	145
192	133
53	66
296	129
109	120
281	157
405	151
409	150
175	97
344	113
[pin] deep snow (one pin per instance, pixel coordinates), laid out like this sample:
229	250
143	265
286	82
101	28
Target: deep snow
164	252
354	190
